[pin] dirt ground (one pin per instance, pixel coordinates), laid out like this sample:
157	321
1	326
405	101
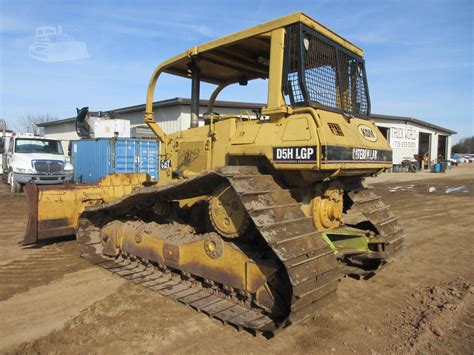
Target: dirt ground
51	301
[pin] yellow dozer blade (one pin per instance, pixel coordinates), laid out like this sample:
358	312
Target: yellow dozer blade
53	211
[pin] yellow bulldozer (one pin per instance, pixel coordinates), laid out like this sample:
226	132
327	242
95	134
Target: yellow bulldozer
254	218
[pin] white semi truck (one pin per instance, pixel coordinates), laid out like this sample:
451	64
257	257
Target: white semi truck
26	157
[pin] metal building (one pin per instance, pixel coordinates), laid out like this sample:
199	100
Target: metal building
414	139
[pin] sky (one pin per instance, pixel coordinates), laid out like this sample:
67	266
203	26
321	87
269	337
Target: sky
419	54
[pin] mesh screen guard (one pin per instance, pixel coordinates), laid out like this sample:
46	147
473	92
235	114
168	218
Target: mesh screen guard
319	72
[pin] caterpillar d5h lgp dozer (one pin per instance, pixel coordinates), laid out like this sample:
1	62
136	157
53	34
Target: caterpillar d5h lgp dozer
255	218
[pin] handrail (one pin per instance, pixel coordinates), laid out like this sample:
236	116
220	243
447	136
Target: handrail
215	93
149	115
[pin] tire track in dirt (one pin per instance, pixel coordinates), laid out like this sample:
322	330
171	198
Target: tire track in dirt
13	221
23	268
47	264
49	307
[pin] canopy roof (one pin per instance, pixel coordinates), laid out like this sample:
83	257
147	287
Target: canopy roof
245	53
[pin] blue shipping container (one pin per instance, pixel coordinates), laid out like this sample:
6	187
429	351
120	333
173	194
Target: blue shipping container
95	158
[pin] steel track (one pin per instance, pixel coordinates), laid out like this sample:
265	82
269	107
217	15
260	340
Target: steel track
312	270
381	217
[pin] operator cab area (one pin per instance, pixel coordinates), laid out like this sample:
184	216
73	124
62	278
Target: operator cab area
307	65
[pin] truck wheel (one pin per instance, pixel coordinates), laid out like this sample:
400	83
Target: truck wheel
15	186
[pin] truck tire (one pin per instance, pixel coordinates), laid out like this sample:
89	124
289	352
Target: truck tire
413	168
15	186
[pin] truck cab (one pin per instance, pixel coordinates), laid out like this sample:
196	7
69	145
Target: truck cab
31	158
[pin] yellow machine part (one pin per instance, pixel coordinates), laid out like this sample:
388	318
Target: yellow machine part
239	142
297	159
54	210
342	144
227	214
325	207
207	257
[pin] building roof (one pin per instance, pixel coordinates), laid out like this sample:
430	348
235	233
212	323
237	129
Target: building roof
242	105
166	103
376	116
57	122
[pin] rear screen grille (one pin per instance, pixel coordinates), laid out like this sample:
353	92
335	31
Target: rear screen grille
352	85
295	89
48	167
318	72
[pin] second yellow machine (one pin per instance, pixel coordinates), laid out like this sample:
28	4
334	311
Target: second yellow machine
256	216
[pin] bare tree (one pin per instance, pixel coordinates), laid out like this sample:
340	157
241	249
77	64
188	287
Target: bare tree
465	145
29	122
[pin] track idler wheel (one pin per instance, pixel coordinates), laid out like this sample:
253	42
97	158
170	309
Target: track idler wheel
227	213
